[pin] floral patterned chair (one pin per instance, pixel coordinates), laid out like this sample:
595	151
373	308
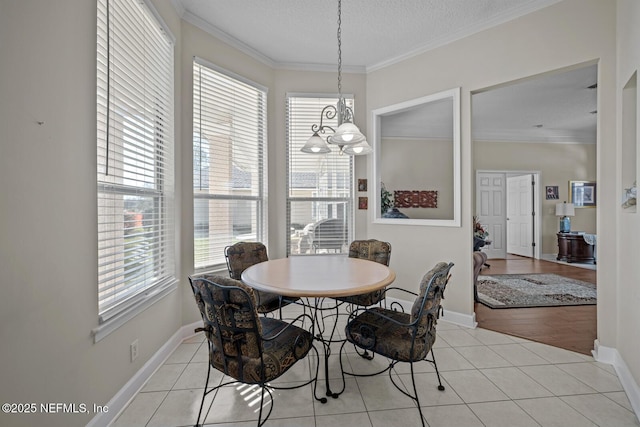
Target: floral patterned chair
373	250
243	255
250	348
402	337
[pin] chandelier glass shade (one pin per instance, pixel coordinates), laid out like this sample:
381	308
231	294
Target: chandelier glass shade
358	149
316	145
346	134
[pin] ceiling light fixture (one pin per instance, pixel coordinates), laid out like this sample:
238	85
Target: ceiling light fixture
347	136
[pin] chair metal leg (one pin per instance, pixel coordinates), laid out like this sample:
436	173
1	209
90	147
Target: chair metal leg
204	394
415	394
401	387
435	365
263	388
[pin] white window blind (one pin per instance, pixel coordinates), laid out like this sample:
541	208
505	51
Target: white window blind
319	186
229	168
135	141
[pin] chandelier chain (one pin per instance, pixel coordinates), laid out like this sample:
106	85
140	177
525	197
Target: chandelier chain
339	49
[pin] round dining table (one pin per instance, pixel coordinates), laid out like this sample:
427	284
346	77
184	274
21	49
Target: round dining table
318	276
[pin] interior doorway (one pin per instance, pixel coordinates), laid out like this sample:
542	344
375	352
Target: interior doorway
507	205
545	123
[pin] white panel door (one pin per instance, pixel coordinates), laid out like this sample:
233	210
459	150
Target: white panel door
490	209
520	215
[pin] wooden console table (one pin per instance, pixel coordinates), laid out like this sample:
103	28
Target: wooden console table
573	248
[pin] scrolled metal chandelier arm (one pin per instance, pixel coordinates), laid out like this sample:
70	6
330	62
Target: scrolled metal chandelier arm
329	112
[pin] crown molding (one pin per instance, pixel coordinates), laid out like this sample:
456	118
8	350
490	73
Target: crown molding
465	32
258	56
354	69
517	136
358	69
226	38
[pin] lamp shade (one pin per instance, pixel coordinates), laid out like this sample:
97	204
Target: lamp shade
315	145
358	149
346	134
565	209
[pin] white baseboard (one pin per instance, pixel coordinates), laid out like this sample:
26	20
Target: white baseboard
466	320
611	356
122	398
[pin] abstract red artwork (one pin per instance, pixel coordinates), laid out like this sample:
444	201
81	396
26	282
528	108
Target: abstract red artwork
415	199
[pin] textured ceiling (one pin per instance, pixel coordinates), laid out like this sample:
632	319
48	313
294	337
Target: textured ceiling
557	107
287	33
301	34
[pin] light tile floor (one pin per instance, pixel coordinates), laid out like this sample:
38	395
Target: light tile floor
491	380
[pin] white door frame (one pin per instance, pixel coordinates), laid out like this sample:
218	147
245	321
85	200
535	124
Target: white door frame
537	218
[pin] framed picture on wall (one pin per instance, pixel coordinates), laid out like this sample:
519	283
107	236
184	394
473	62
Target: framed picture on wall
363	202
552	192
583	194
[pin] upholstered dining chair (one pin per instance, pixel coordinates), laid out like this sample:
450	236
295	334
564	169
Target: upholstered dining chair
398	336
373	250
249	348
243	255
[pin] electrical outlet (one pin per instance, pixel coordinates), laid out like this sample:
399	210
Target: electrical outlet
134	350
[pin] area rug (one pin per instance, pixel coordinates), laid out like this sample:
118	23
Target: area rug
533	290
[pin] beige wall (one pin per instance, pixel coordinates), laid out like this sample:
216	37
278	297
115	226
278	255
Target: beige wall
628	243
197	43
48	218
558	164
565	34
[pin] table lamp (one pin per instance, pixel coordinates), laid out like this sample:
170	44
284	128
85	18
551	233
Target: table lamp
565	210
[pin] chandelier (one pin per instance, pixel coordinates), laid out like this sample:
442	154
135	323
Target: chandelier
347	136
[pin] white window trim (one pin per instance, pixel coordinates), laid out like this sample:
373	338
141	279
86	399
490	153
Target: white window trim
264	198
118	315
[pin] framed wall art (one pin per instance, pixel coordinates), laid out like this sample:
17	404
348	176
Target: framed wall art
583	194
552	192
363	202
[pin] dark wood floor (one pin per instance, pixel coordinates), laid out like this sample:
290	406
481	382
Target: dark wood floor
572	327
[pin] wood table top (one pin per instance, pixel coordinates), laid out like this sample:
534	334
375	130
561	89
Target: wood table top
318	276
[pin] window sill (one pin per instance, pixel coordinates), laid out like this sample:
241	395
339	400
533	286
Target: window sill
220	269
119	319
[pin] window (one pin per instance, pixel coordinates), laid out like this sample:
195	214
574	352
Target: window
319	186
135	142
229	172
